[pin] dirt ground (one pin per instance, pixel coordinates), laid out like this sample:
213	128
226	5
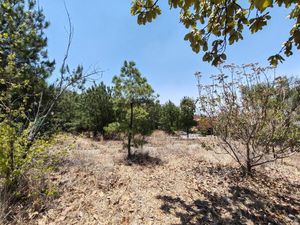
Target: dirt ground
172	181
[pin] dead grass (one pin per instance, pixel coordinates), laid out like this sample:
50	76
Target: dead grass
170	181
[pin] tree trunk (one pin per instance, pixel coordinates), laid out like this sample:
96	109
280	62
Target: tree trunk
274	153
187	133
95	134
11	167
248	163
130	131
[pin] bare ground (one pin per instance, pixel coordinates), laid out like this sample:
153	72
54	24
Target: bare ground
171	181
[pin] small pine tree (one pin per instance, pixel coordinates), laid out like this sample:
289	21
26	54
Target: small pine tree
132	94
187	112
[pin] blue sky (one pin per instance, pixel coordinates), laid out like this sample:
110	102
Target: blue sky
106	35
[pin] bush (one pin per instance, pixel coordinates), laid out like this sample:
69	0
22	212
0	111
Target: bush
113	130
254	114
24	171
16	156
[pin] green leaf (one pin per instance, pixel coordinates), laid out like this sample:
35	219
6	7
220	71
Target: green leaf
261	5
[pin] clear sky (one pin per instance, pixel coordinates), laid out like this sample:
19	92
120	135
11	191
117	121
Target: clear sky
106	35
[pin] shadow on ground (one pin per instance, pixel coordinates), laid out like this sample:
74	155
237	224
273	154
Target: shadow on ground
143	159
238	203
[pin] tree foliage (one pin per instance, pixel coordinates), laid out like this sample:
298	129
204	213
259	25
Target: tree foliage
255	114
68	112
23	57
187	112
216	23
132	94
26	99
91	110
97	107
170	117
13	144
24	66
154	110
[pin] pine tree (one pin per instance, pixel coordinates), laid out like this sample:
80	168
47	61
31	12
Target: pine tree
23	56
187	111
170	115
24	67
97	108
132	93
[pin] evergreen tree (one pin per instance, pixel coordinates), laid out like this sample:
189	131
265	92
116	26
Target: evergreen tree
24	67
23	57
132	94
97	106
170	115
187	112
154	110
68	113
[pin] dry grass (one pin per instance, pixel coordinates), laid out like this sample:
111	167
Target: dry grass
171	181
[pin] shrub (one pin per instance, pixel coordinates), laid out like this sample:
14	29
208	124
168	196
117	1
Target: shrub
254	113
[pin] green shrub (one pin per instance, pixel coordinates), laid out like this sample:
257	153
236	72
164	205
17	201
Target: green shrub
16	154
